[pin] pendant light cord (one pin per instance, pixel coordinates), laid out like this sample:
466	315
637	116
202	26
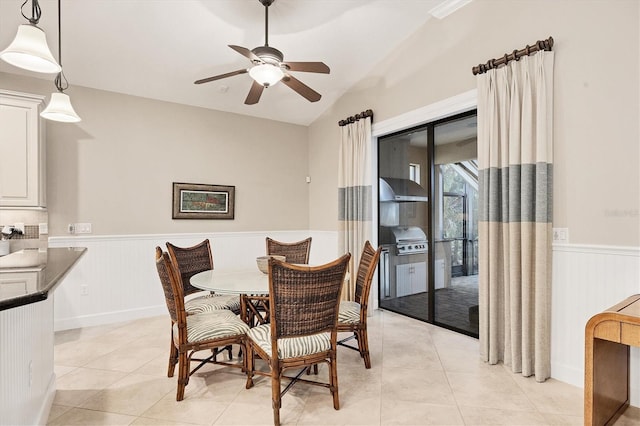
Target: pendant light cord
35	12
61	81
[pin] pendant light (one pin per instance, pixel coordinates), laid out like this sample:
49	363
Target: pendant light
60	108
29	49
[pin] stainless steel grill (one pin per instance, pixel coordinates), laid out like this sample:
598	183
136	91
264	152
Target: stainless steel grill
407	239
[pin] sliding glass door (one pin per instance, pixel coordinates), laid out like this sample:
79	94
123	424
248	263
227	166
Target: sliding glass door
455	224
428	227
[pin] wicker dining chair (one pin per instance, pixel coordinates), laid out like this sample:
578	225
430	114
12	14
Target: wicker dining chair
352	316
191	260
297	252
198	332
303	304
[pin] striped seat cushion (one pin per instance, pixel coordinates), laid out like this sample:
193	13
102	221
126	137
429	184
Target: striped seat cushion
349	312
290	347
212	325
212	302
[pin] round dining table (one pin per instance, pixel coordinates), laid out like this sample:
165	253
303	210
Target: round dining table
251	286
244	281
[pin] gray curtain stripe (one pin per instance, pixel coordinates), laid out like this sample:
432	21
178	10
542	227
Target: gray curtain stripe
354	203
518	193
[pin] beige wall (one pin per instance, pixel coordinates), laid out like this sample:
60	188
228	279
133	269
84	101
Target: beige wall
115	169
596	107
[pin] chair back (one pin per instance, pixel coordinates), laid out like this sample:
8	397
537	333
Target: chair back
297	252
190	261
368	263
304	300
173	294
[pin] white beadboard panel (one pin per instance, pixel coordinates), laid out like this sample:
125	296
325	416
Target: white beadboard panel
119	277
27	384
586	281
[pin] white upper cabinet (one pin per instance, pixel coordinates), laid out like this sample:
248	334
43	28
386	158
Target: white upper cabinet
22	150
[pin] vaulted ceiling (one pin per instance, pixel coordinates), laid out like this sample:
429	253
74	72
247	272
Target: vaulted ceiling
158	48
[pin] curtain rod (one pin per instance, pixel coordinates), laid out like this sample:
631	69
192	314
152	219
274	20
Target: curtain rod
515	55
354	118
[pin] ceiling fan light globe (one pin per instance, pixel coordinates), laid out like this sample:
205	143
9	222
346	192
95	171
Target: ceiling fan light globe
266	74
29	51
60	109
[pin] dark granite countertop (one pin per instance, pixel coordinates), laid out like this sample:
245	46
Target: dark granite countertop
28	276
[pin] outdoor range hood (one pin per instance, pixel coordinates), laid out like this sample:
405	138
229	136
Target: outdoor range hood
401	190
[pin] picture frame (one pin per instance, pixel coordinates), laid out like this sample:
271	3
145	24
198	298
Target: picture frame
203	201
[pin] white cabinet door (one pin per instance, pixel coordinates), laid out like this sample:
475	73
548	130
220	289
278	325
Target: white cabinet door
419	277
411	278
14	284
22	175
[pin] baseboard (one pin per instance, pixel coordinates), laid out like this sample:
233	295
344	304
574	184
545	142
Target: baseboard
566	373
109	317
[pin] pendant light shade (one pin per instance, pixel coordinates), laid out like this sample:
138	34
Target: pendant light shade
29	50
60	109
266	74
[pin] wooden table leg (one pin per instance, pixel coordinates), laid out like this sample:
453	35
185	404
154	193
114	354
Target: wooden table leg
606	392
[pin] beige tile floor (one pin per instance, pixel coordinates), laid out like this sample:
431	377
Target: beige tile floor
421	375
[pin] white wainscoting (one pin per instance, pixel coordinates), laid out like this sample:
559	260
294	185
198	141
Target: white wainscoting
586	281
116	279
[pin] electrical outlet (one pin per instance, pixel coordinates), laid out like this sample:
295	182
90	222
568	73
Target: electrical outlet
83	228
84	290
561	235
71	228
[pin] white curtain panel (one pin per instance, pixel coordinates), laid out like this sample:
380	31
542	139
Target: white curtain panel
515	156
354	195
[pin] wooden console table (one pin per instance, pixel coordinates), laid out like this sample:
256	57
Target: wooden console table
608	336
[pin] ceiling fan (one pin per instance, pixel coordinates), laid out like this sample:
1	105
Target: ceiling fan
268	68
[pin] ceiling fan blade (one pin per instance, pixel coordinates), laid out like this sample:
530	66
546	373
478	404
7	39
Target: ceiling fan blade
218	77
254	93
319	67
302	89
245	52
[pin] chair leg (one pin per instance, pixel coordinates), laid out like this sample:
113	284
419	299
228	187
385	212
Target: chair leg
275	392
230	351
315	369
183	375
173	358
248	362
241	351
363	343
333	381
